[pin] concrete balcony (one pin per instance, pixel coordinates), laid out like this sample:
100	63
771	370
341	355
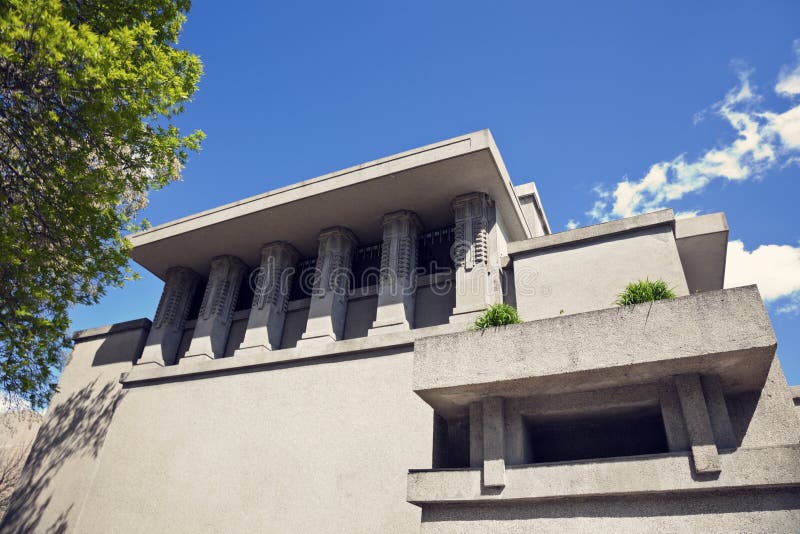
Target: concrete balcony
725	333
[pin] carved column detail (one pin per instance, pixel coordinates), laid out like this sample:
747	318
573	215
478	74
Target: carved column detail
173	308
328	307
475	256
271	283
216	311
396	292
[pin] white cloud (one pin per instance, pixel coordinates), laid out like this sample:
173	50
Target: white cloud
687	214
764	139
775	268
572	224
789	78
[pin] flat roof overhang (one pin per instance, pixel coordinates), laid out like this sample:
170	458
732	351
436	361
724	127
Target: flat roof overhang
423	180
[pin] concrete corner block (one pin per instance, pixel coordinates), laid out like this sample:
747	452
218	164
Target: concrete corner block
706	459
494	473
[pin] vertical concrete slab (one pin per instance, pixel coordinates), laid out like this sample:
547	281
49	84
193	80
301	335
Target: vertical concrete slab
718	412
165	335
671	414
271	283
476	435
494	467
216	312
698	424
397	291
477	272
328	309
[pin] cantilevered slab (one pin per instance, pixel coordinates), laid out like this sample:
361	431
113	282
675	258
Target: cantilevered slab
423	180
702	245
726	332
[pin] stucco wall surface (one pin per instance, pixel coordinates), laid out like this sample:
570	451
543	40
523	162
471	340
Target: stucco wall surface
320	447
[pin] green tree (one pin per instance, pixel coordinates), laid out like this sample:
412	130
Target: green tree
88	93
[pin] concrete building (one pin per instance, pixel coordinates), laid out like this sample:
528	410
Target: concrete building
310	368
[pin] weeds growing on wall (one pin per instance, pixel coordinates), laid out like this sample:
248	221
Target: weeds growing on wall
497	315
644	291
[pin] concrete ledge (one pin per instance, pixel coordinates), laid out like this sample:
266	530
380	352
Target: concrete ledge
724	332
100	331
142	374
589	233
743	468
700	225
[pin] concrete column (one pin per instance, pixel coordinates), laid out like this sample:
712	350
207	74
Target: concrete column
216	312
271	282
718	412
494	465
671	414
476	434
477	272
328	308
176	300
698	424
516	440
397	289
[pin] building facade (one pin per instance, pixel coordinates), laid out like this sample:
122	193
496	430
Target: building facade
310	367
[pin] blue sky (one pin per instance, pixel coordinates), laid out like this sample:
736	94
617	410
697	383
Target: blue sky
612	108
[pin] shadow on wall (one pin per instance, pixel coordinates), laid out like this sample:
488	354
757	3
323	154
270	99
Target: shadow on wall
74	429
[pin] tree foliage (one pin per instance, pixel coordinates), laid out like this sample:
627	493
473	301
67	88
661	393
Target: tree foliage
88	93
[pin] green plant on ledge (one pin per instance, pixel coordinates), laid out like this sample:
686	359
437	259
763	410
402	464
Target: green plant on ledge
497	315
644	291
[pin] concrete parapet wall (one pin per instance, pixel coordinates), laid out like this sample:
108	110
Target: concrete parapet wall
723	332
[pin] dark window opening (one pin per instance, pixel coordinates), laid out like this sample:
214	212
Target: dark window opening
630	433
367	266
303	279
450	442
197	301
245	298
434	254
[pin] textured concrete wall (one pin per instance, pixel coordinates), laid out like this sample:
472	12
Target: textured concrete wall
767	511
320	447
51	495
588	275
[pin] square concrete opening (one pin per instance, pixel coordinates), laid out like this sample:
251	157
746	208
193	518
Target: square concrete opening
630	432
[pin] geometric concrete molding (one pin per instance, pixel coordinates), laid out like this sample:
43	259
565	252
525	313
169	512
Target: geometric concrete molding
165	335
328	308
477	274
216	312
396	291
271	296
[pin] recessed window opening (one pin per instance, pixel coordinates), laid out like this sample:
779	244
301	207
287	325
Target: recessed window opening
434	254
621	433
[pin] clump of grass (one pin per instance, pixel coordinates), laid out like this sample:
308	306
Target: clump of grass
644	291
497	315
